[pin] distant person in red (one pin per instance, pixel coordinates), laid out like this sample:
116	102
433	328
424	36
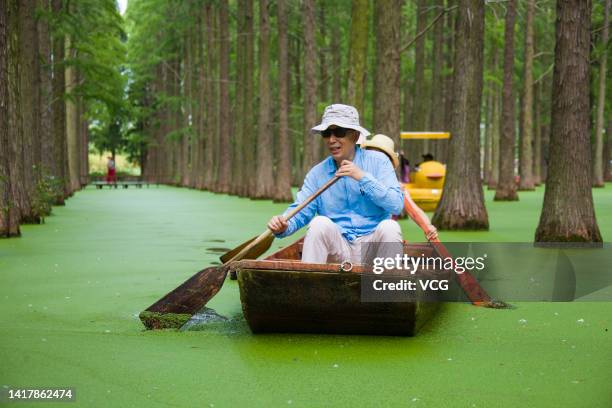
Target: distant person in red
111	176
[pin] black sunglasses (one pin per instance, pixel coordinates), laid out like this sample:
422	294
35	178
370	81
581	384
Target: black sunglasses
339	132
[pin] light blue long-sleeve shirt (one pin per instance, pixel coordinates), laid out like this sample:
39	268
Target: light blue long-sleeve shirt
356	207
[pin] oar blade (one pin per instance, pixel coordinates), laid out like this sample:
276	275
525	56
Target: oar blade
174	309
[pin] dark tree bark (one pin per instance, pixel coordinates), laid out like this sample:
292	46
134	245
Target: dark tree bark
495	136
387	98
265	143
238	174
506	186
16	143
311	143
45	129
450	22
323	52
419	103
249	129
9	213
567	213
72	121
29	107
59	111
462	204
187	140
526	152
537	133
358	54
436	121
419	121
283	182
211	98
225	156
295	54
608	152
337	73
598	167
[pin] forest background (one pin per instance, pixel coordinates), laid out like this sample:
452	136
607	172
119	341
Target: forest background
220	95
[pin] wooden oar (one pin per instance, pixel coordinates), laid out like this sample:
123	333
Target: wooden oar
475	293
174	309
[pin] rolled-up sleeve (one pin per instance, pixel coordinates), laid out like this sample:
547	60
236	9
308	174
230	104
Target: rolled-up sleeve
303	217
383	189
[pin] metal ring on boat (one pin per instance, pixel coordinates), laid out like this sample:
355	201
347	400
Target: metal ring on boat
346	266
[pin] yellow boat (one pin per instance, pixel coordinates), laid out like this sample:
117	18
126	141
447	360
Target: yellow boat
427	179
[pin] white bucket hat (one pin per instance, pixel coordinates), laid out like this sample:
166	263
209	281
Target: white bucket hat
384	144
344	116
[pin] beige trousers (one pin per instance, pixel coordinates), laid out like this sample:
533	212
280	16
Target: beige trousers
325	244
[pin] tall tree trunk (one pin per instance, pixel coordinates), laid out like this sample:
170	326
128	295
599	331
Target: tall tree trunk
225	129
265	143
46	91
311	143
337	74
72	136
495	136
15	136
436	121
59	111
29	88
283	179
450	23
295	53
238	173
506	186
358	54
249	129
9	212
489	117
537	141
323	52
462	204
420	105
387	98
212	99
567	213
598	167
608	152
526	152
198	156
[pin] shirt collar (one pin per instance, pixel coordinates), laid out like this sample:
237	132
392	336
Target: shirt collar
331	164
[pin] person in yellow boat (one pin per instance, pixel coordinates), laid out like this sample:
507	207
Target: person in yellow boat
385	145
355	212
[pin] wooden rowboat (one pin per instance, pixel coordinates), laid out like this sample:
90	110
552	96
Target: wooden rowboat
282	294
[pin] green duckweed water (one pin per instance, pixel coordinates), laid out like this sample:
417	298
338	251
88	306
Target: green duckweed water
71	291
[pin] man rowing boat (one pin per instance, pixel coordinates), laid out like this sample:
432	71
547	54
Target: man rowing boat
354	211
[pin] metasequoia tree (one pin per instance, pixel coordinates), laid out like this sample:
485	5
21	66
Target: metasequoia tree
9	215
506	185
311	144
567	213
598	167
265	145
282	191
526	181
225	120
387	97
462	203
358	54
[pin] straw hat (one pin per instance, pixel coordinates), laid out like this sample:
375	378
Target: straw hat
345	116
384	144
